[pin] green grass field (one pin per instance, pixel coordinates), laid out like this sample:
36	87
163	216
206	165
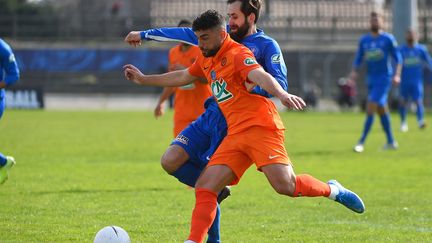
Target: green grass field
80	171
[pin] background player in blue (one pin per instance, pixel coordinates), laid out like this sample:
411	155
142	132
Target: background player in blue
9	74
191	150
376	48
414	57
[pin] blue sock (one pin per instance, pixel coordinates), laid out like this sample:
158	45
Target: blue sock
420	112
403	113
3	160
385	122
188	173
367	126
214	231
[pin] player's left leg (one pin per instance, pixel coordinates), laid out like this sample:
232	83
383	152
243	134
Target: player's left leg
418	97
403	106
386	124
285	182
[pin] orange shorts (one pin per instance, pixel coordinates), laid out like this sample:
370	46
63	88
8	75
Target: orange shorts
257	145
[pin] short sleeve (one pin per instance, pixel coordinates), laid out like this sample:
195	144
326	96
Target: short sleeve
195	69
244	63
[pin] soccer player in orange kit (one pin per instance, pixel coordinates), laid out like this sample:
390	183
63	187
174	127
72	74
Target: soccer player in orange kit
255	130
188	99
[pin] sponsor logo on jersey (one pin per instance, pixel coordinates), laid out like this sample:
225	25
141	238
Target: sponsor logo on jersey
249	61
219	89
411	61
182	139
275	58
374	54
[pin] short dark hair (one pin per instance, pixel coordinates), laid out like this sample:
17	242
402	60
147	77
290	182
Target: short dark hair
249	6
208	20
375	14
184	22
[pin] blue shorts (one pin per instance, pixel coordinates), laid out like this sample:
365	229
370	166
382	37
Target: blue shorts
411	91
203	136
378	90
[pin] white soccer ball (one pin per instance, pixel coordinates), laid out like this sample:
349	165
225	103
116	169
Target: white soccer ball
112	234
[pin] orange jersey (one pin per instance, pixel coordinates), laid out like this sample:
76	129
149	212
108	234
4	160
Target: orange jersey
189	99
228	71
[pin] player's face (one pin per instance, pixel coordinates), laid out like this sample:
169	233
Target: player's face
237	21
375	23
410	36
210	41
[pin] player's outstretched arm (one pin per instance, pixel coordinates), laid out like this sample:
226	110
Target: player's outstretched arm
171	79
176	34
269	84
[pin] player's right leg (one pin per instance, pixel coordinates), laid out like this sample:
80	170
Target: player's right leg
6	162
371	108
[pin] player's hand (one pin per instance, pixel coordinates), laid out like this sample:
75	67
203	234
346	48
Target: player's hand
133	38
132	73
159	110
396	80
292	101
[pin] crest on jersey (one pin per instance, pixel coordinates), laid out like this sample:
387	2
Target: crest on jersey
249	61
224	61
275	58
219	89
213	75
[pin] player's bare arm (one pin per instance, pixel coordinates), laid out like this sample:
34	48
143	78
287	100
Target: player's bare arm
396	77
269	84
171	79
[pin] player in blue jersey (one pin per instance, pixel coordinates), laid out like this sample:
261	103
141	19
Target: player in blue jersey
377	48
9	74
190	152
415	57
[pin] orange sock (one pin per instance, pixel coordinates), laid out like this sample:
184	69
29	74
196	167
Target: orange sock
308	186
203	214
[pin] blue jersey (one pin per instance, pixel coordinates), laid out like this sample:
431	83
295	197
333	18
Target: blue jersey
9	72
376	52
266	50
414	60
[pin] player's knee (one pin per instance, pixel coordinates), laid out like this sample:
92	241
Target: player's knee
172	159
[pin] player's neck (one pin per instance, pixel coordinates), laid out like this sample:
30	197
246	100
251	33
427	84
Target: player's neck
376	33
252	30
